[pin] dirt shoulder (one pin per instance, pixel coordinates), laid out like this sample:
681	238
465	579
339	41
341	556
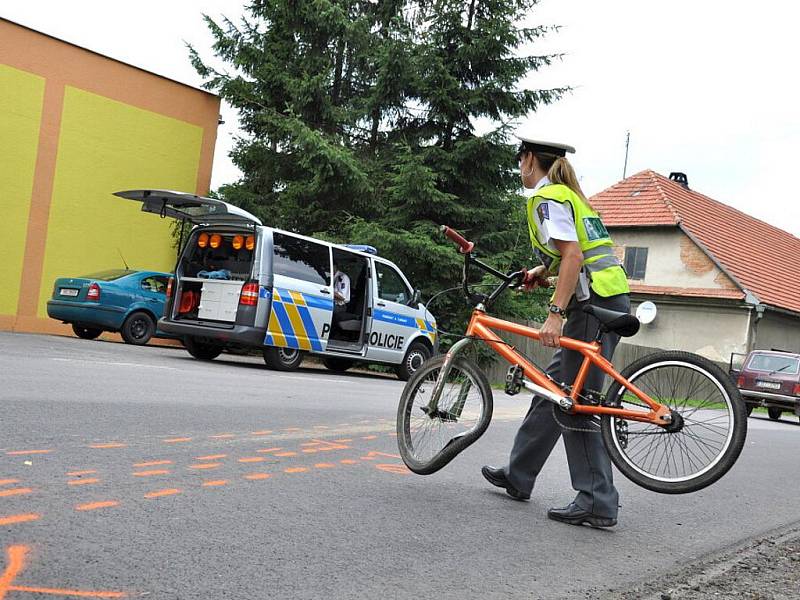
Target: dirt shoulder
764	568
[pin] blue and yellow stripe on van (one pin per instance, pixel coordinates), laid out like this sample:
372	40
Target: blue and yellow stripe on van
291	324
426	327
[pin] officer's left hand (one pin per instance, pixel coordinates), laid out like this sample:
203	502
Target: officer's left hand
551	331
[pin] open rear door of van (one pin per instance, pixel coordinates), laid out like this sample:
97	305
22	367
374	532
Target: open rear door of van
189	207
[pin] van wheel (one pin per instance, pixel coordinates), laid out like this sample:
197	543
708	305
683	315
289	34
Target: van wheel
86	333
138	328
774	413
202	350
340	365
282	359
417	354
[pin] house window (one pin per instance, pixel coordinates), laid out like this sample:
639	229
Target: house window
635	262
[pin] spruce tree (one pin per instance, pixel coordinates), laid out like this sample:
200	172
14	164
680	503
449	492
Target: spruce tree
361	125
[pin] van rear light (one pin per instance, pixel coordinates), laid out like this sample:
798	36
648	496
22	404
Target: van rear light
249	295
94	292
740	381
170	282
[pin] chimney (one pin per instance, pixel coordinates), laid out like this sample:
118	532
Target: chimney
680	178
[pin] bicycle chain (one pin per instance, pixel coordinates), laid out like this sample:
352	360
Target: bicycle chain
569	427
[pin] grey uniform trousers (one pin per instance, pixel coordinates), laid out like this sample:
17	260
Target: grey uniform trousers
589	465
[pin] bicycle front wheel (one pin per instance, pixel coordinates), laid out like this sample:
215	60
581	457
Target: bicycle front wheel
431	434
708	430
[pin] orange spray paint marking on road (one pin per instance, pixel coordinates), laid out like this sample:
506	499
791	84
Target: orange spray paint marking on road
265	432
373	455
215	483
177	440
26	452
109	445
97	505
205	466
257	476
393	468
16	556
285	454
160	493
349	461
152	463
87	481
222	436
268	450
210	457
79	473
150	473
343	441
14	519
370	437
310	451
15	492
296	470
8	481
251	459
324	465
292	429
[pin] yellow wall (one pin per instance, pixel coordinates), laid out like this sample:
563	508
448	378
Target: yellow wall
76	126
106	146
21	96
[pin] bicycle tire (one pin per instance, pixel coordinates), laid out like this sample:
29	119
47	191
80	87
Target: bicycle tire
724	407
455	439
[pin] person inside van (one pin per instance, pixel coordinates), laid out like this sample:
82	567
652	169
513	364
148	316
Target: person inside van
341	288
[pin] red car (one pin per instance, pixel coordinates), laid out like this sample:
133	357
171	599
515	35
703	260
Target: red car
771	379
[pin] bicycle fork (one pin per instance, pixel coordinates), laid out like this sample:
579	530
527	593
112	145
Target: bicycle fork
455	411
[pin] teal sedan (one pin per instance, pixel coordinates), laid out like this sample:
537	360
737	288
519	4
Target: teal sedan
122	300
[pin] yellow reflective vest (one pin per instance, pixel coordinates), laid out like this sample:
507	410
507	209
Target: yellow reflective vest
606	275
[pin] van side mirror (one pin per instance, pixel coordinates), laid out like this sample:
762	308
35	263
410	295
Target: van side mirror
415	298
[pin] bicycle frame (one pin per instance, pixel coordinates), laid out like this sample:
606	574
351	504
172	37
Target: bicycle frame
481	326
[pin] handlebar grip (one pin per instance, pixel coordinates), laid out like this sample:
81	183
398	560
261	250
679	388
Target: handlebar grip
465	246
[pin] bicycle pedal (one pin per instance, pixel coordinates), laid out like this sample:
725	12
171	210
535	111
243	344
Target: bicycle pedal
514	380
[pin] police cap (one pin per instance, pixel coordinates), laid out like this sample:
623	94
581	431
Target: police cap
542	147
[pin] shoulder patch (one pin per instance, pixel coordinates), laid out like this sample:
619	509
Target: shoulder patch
543	210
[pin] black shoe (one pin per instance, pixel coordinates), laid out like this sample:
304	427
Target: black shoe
498	477
575	515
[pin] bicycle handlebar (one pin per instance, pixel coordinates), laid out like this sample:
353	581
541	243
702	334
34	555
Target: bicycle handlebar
515	278
465	246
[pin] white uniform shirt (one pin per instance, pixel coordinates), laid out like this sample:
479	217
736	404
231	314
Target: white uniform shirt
341	286
555	221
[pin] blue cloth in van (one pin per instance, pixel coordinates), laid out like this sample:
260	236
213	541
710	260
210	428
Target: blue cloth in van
221	274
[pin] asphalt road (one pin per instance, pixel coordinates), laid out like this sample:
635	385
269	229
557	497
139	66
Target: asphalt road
141	472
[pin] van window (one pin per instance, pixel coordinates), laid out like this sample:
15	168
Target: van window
300	259
390	285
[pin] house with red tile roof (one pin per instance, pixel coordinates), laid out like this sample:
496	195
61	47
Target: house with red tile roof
723	281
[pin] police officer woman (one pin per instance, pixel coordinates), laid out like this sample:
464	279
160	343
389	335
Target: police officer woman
571	241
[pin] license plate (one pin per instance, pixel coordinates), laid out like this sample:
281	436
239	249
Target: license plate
68	292
768	384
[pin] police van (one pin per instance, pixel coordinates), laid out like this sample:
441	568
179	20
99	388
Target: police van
241	284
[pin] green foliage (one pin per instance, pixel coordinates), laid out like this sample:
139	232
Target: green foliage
360	121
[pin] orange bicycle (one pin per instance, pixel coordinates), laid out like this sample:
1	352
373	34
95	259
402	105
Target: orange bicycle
672	422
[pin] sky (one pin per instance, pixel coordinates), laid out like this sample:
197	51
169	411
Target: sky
706	87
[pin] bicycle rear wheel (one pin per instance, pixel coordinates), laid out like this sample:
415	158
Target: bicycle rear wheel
708	431
431	435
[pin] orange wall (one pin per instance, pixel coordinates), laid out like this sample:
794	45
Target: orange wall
86	126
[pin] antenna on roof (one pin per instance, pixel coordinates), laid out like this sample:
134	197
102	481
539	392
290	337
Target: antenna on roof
127	268
627	144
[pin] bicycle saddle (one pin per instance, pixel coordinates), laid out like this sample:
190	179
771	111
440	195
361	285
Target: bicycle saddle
623	324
